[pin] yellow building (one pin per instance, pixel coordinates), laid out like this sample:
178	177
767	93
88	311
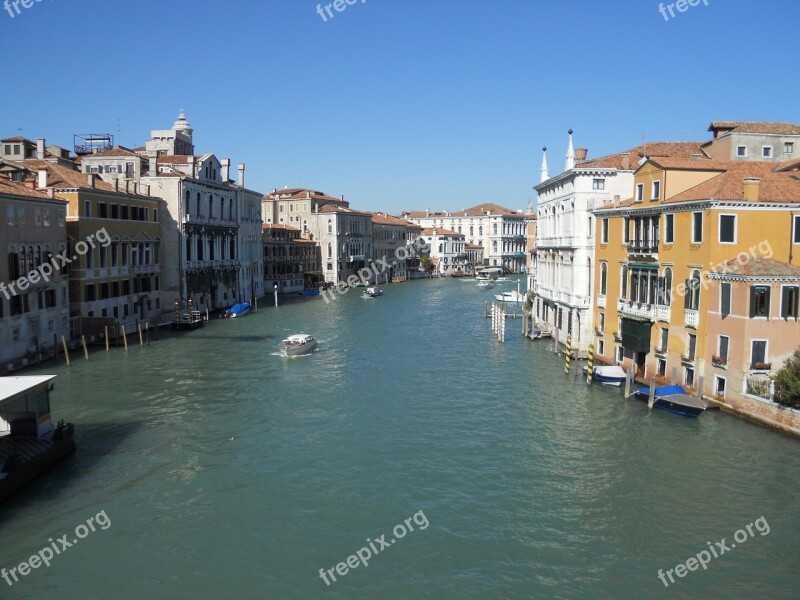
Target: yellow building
114	239
687	218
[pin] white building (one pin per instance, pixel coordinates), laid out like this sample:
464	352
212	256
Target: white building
565	232
499	230
448	250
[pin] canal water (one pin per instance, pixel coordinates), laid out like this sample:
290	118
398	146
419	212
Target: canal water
226	471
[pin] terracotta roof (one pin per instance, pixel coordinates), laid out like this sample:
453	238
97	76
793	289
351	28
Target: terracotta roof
388	220
440	231
774	186
62	177
301	194
755	127
651	149
279	226
473	247
474	211
17	139
756	266
337	208
14	188
690	164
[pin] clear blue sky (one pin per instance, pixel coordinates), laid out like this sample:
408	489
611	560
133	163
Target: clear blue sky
398	104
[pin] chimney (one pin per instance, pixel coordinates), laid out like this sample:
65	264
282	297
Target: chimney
40	148
427	212
51	192
580	155
91	177
241	174
751	188
226	169
626	161
42	179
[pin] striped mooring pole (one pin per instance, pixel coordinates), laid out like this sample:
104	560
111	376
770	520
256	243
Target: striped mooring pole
590	364
569	352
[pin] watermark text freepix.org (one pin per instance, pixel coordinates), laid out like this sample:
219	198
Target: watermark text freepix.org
702	558
363	555
679	5
12	6
48	553
376	268
46	269
338	6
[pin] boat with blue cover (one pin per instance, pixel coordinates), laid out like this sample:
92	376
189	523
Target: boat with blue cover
674	399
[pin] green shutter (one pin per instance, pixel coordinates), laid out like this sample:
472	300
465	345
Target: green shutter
752	301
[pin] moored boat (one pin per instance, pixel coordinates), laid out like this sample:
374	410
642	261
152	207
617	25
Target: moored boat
608	374
513	296
238	310
298	344
29	443
674	399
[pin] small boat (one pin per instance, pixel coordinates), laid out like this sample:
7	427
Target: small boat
298	344
29	442
237	310
515	296
610	375
310	292
373	292
674	399
485	284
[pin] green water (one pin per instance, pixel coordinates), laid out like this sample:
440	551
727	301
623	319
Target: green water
227	471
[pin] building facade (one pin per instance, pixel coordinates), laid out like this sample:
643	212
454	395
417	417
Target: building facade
447	251
34	298
291	264
565	239
498	230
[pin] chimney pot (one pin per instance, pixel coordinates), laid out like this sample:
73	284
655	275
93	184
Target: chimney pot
241	174
225	163
42	173
580	154
91	177
40	148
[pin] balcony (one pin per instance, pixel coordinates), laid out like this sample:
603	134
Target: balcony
662	313
760	367
688	359
601	301
637	309
134	269
642	247
691	317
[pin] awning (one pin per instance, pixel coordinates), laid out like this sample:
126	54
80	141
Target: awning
643	266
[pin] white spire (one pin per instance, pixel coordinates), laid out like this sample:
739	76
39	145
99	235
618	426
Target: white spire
570	154
544	176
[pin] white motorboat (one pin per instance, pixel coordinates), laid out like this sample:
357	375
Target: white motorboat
485	284
298	344
373	292
514	296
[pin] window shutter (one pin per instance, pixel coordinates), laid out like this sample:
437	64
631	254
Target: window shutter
752	301
726	299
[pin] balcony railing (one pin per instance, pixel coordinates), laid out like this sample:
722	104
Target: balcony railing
638	309
691	317
662	313
643	246
601	300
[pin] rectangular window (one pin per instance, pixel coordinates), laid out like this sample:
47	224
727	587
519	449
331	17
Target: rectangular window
639	192
741	151
724	342
87	208
102	210
669	229
662	367
692	346
758	353
759	301
789	298
688	376
725	299
766	151
602	324
601	348
796	236
697	227
89	293
604	231
727	229
719	386
662	345
620	354
788	147
598	184
656	190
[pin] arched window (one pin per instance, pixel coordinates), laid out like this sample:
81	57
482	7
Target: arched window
494	246
305	225
472	230
603	278
199	209
210	205
665	288
330	250
330	225
221	207
494	228
480	229
230	208
624	283
186	203
692	300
